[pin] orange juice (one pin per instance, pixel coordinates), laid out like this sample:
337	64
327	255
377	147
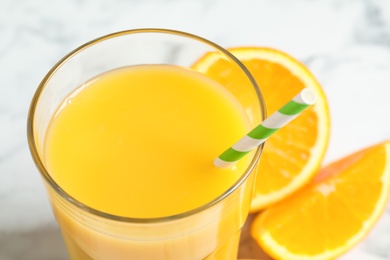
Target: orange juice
139	142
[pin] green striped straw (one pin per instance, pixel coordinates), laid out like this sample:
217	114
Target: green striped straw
262	132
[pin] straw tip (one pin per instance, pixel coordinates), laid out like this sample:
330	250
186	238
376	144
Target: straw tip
308	96
223	164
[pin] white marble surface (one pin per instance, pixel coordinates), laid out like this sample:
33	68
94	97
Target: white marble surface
346	44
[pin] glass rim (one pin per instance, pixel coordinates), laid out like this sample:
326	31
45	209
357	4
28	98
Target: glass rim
67	197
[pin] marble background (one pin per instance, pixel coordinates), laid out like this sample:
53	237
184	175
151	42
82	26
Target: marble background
346	44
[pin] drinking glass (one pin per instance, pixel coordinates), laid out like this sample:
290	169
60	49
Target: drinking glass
211	231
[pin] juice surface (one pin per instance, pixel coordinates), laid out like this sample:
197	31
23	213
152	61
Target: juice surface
140	141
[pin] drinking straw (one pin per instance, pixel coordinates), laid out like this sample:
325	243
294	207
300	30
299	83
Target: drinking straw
263	131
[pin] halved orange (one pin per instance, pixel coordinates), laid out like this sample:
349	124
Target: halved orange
292	155
333	213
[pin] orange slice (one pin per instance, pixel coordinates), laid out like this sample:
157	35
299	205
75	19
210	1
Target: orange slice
333	213
292	155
